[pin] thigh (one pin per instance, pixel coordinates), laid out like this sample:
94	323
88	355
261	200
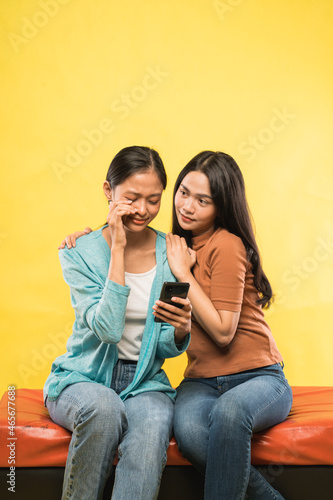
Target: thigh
263	400
83	397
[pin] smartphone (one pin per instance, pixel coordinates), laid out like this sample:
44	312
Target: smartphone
173	289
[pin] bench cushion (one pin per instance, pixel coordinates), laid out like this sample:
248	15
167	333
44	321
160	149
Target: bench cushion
304	438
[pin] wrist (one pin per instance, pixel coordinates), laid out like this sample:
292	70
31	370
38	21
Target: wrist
117	266
117	251
184	276
180	337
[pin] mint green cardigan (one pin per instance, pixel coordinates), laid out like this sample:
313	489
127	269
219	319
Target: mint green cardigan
100	306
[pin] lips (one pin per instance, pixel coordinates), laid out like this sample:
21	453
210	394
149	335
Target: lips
138	221
186	219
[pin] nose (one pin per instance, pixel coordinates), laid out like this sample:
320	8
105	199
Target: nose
188	205
141	207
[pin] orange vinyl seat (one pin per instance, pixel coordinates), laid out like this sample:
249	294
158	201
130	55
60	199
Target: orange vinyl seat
304	438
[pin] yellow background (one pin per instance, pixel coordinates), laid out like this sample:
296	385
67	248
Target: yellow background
252	78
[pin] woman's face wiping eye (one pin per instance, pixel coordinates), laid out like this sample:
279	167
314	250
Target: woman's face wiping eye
144	190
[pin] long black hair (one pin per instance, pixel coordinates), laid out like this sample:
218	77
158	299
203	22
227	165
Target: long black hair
133	160
228	192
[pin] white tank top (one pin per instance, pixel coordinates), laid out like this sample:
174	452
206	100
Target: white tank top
136	313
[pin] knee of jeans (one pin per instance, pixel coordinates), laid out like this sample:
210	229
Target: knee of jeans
189	433
230	414
103	411
158	430
152	413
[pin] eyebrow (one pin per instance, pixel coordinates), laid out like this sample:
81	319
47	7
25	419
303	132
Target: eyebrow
134	193
198	195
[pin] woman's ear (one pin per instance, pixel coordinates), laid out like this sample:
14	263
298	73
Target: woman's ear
107	191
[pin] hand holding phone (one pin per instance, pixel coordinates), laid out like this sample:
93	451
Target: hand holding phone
173	289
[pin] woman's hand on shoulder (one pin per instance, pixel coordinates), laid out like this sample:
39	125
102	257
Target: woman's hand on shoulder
181	258
70	239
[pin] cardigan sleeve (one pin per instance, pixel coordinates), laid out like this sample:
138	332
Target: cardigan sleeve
167	347
99	304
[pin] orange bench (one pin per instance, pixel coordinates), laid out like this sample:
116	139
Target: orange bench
301	446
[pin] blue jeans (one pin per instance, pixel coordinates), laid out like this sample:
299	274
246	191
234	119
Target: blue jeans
214	422
101	423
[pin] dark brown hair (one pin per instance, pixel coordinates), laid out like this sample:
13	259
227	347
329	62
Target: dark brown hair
228	193
132	160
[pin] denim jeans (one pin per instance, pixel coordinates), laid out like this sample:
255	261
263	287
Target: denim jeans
214	422
101	423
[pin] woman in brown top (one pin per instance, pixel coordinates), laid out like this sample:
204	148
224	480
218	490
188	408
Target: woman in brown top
234	383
